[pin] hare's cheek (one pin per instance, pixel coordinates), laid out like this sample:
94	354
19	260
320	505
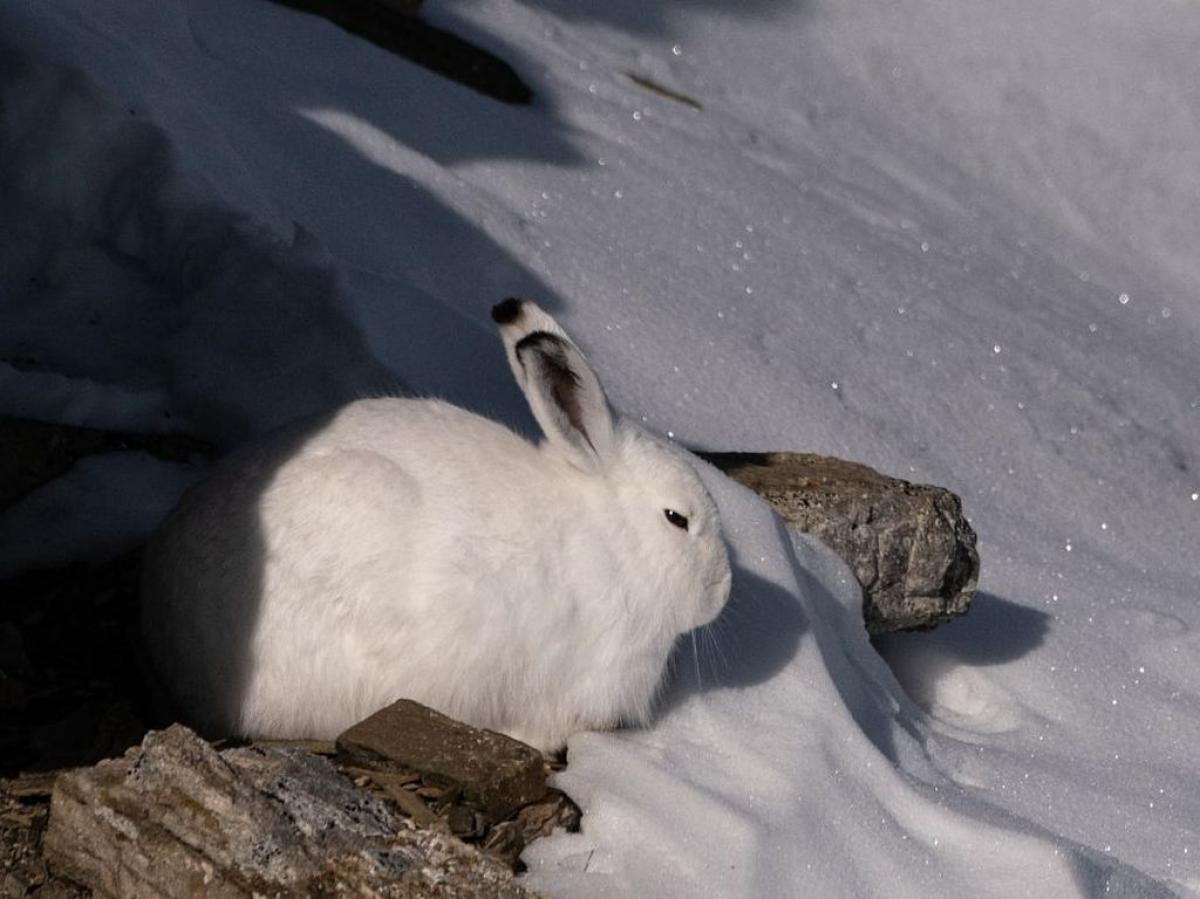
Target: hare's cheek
718	584
724	585
716	602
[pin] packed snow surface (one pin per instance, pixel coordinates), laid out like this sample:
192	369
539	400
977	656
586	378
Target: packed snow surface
953	240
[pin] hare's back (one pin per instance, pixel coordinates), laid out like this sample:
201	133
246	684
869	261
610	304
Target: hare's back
424	436
303	551
322	496
382	478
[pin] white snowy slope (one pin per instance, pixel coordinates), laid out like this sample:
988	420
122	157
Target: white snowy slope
953	240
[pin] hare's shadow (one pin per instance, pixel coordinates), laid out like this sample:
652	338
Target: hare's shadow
234	621
994	631
756	635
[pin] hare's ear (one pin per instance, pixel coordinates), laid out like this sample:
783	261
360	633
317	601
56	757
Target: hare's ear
563	391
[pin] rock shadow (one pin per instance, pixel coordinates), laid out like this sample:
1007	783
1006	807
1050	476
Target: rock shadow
427	112
943	673
1098	874
993	631
653	16
226	630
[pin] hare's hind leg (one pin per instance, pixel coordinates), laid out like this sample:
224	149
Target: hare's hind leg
334	530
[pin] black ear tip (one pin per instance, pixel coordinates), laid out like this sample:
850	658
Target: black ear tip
507	311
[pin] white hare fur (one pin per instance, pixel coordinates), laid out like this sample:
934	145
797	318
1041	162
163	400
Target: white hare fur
409	548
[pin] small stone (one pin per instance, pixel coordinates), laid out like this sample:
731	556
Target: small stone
505	842
410	804
495	773
556	809
15	884
463	822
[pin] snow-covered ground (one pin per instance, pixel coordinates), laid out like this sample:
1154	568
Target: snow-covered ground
953	240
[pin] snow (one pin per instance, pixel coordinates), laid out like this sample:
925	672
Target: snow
954	241
71	517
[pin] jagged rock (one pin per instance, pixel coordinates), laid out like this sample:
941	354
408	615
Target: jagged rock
908	544
494	773
175	817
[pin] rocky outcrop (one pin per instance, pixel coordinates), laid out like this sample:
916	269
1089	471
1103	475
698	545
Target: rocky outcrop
175	817
908	545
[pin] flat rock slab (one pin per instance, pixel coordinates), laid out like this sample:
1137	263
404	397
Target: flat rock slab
495	773
175	817
908	545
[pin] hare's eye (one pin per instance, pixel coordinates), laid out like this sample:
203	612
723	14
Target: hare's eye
676	519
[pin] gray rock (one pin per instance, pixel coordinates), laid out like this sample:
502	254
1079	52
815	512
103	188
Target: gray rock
908	545
174	817
495	773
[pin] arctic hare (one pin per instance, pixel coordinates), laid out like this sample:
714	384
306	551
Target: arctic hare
409	548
